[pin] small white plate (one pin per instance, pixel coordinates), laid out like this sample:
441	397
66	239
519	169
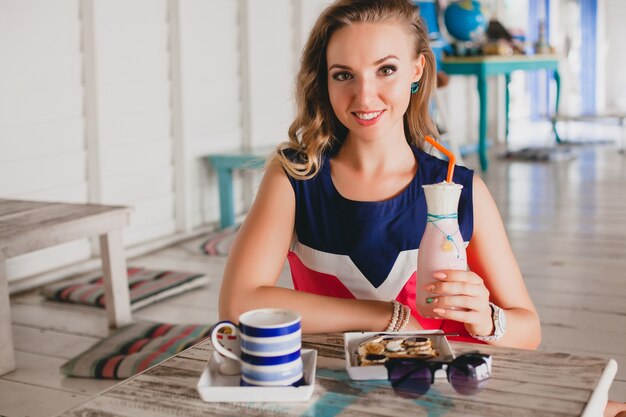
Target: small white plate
353	339
215	387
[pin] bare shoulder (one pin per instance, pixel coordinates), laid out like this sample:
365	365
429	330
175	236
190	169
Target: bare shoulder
480	188
488	225
484	205
275	170
275	183
274	206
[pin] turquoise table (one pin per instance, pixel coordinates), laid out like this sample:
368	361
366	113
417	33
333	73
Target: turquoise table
224	164
485	66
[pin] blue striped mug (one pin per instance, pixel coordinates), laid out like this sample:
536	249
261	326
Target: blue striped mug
270	340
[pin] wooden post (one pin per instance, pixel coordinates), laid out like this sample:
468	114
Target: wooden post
115	278
7	357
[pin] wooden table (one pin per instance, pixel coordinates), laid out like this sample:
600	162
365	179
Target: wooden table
486	66
27	226
524	383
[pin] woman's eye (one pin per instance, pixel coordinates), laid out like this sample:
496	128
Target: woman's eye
341	76
388	70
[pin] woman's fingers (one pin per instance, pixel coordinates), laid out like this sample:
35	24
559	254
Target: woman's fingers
461	302
464	316
458	288
457	275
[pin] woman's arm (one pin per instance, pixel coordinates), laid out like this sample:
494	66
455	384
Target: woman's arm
491	257
257	258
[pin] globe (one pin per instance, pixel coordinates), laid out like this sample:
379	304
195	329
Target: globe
464	20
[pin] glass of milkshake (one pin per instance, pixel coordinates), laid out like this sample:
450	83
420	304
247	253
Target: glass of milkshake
442	245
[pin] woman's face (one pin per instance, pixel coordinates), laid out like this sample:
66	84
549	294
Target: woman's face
370	70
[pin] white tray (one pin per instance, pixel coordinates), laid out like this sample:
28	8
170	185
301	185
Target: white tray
215	387
351	344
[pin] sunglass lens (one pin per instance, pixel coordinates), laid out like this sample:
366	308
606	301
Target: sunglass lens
410	379
468	375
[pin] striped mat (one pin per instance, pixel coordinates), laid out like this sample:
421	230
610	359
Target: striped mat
134	348
220	242
145	286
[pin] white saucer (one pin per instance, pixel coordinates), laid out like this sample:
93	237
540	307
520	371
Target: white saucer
216	387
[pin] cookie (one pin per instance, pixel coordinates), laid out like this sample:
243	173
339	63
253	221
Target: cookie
393	345
417	341
372	359
371	348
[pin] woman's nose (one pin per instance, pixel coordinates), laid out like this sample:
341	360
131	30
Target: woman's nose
366	90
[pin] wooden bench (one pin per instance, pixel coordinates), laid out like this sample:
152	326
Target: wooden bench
27	226
224	164
604	118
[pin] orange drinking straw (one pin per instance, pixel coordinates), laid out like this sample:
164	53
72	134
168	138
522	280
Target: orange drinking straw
450	155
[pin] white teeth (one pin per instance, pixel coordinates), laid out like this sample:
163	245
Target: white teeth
367	116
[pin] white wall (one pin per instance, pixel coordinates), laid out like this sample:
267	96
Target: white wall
270	70
131	91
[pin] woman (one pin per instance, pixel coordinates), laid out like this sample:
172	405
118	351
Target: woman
342	199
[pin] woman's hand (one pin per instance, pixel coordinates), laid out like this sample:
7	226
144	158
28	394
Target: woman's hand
463	297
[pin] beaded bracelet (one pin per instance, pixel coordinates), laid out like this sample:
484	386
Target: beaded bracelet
400	317
394	317
405	318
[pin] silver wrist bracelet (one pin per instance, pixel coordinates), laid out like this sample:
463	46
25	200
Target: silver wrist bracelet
499	325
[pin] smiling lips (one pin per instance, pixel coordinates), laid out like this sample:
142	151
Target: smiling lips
367	118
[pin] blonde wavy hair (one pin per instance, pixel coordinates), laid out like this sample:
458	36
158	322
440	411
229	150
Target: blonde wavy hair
316	128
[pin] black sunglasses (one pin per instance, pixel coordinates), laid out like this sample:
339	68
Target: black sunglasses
468	373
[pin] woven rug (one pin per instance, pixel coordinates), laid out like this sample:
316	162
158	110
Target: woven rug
134	348
220	242
145	286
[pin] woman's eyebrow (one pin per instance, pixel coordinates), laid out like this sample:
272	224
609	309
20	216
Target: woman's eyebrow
377	62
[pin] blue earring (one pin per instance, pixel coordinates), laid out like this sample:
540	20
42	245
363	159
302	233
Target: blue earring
414	87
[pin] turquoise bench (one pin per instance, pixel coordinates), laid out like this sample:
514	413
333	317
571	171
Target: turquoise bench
224	164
